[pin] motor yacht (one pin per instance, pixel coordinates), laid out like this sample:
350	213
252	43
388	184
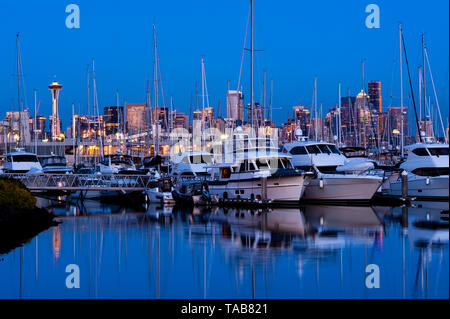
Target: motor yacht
258	175
427	166
324	159
21	162
56	165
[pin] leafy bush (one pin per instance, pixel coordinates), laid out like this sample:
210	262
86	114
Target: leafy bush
14	193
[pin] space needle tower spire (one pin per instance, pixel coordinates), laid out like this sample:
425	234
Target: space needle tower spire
55	87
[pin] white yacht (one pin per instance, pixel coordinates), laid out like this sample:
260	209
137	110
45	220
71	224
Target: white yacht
427	166
21	162
56	165
325	159
191	163
161	193
117	164
245	178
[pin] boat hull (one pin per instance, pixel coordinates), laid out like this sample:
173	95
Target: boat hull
335	187
435	187
279	189
156	196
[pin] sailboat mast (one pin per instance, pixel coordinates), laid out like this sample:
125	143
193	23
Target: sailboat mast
420	100
203	94
34	122
339	115
251	62
315	108
96	110
401	92
364	104
423	77
270	102
155	75
264	100
18	89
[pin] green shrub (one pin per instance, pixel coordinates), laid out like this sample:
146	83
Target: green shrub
14	193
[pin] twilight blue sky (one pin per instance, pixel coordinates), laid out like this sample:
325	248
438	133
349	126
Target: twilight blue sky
300	39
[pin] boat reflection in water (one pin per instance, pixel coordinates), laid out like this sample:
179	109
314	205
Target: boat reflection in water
157	252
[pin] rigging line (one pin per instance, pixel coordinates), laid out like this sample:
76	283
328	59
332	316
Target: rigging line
23	82
410	85
243	48
206	86
160	78
434	90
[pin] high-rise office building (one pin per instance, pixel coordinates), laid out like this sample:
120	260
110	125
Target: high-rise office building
113	120
209	115
136	117
302	118
348	120
180	120
375	95
394	113
235	105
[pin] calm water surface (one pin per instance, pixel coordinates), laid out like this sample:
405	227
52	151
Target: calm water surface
311	252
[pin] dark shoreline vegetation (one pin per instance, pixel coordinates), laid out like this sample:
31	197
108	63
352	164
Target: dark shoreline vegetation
20	219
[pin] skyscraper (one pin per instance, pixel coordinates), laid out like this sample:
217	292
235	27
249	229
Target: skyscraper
136	115
235	105
375	95
348	120
302	118
113	119
394	113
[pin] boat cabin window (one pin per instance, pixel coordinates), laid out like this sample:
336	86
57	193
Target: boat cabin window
438	151
421	152
431	171
324	149
24	158
286	163
313	149
200	159
299	150
334	149
242	167
226	172
55	161
252	166
9	159
262	164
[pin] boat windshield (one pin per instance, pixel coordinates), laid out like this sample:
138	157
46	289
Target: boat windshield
199	159
438	151
25	158
324	149
55	161
313	149
334	149
420	151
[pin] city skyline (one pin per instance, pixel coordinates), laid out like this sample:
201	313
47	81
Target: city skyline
118	67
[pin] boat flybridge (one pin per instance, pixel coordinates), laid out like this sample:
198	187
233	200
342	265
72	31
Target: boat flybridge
191	163
324	159
427	166
56	165
258	174
22	162
117	164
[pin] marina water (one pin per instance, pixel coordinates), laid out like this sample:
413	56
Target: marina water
310	252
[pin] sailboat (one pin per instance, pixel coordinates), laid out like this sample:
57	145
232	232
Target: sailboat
20	161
